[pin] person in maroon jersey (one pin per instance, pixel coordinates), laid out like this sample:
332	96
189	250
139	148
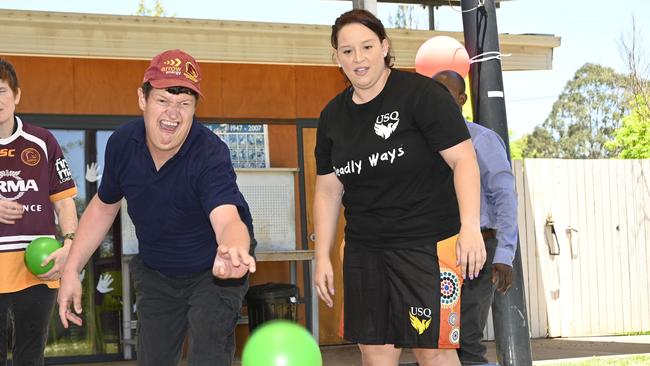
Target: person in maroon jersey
35	183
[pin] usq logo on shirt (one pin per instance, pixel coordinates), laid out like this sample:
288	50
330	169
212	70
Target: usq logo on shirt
386	123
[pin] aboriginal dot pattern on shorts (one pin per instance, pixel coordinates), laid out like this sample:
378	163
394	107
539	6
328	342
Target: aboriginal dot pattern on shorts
449	288
454	336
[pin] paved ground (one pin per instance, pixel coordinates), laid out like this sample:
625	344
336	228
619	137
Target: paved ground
543	350
561	348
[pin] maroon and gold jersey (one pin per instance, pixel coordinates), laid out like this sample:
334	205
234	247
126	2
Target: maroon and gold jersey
34	173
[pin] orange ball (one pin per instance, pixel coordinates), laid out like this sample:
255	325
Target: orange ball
441	53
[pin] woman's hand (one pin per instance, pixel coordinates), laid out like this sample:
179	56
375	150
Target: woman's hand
324	280
470	252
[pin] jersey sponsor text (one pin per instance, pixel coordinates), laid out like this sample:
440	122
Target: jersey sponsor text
63	170
15	187
7	153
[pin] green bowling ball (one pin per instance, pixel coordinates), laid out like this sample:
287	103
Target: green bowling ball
37	251
281	343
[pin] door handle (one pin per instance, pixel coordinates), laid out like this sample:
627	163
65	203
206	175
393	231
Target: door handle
551	240
569	233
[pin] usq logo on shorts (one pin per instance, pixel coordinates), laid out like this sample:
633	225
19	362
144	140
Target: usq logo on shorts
420	325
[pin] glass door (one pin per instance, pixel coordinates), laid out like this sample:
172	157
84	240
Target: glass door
100	335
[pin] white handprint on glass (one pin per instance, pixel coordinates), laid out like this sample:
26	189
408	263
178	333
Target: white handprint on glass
92	172
105	280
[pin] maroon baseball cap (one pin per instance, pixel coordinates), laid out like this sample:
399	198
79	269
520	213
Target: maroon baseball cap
174	68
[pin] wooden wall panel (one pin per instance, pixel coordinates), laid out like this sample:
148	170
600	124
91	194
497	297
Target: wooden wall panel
283	147
47	84
315	87
212	104
258	91
107	86
53	85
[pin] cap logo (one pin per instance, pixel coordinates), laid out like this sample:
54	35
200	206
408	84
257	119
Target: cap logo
190	72
176	62
171	67
174	68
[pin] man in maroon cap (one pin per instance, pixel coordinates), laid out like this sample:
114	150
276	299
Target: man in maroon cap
193	225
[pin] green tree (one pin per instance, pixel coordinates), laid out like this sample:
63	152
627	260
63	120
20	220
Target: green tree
585	116
517	148
631	49
538	144
633	138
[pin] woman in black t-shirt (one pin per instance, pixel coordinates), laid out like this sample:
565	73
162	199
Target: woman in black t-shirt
394	150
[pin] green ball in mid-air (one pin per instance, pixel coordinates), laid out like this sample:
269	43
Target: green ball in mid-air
281	343
37	251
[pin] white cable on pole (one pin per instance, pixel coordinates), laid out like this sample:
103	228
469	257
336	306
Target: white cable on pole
480	4
495	55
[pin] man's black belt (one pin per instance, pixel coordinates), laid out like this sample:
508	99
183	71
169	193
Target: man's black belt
489	234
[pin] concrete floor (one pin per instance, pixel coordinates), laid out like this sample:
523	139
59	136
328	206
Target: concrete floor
542	349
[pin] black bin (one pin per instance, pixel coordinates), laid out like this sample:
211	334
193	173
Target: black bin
271	301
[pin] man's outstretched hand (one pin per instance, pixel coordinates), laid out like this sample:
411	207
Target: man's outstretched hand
232	262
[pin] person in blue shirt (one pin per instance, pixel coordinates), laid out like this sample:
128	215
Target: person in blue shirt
194	227
498	226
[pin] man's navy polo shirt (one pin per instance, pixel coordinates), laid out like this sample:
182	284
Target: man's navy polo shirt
170	208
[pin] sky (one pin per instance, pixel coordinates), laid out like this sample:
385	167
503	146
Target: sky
590	31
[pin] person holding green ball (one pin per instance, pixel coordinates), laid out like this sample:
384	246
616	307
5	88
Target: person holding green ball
35	183
37	252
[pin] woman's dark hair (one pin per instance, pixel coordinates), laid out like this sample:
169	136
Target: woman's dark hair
8	74
147	87
365	18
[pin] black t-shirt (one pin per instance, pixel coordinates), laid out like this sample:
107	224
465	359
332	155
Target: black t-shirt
399	192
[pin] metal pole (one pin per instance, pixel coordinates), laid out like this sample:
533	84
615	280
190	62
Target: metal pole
432	17
481	35
127	337
370	5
